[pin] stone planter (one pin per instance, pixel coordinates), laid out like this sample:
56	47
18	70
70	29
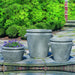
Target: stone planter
61	48
38	40
11	54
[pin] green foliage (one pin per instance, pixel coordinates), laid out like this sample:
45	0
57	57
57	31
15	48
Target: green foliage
61	1
12	43
2	17
54	17
41	25
38	15
71	1
8	23
22	32
2	32
28	14
12	31
71	11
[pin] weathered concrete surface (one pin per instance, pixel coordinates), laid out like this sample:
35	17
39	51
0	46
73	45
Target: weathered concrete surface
1	73
49	61
31	62
59	73
38	73
70	32
25	73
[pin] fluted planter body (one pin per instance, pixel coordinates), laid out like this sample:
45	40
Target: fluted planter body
38	40
61	48
11	54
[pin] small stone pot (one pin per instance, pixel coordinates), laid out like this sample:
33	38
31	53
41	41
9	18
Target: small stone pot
11	54
61	48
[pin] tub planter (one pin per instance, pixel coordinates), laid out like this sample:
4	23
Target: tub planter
61	48
38	40
11	54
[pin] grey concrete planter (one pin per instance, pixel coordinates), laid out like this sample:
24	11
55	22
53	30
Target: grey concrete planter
38	40
61	48
11	54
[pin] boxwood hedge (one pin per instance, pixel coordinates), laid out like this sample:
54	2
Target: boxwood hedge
41	14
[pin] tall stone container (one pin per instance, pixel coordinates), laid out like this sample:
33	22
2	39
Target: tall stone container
38	40
61	48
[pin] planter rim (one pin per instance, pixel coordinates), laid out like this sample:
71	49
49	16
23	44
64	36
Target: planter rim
15	48
39	30
62	39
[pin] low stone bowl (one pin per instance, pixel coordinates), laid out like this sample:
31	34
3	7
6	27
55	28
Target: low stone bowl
61	48
12	54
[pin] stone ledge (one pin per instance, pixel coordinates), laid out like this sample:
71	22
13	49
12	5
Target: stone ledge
24	73
70	21
27	61
47	64
69	24
37	73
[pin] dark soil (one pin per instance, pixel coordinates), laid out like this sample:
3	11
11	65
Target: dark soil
7	38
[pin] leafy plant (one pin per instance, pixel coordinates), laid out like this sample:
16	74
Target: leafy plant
71	10
22	32
44	14
12	43
12	31
2	32
41	25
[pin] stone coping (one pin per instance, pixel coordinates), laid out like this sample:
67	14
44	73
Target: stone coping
59	73
28	62
25	72
37	73
48	61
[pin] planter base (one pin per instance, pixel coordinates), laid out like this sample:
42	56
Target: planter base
46	64
12	55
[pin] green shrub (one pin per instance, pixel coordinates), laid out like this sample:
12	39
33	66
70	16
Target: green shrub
71	1
12	31
2	17
61	1
2	32
71	11
22	32
8	23
32	27
37	15
41	25
41	14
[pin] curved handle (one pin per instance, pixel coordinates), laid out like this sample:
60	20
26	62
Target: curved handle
49	43
52	35
73	44
25	35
